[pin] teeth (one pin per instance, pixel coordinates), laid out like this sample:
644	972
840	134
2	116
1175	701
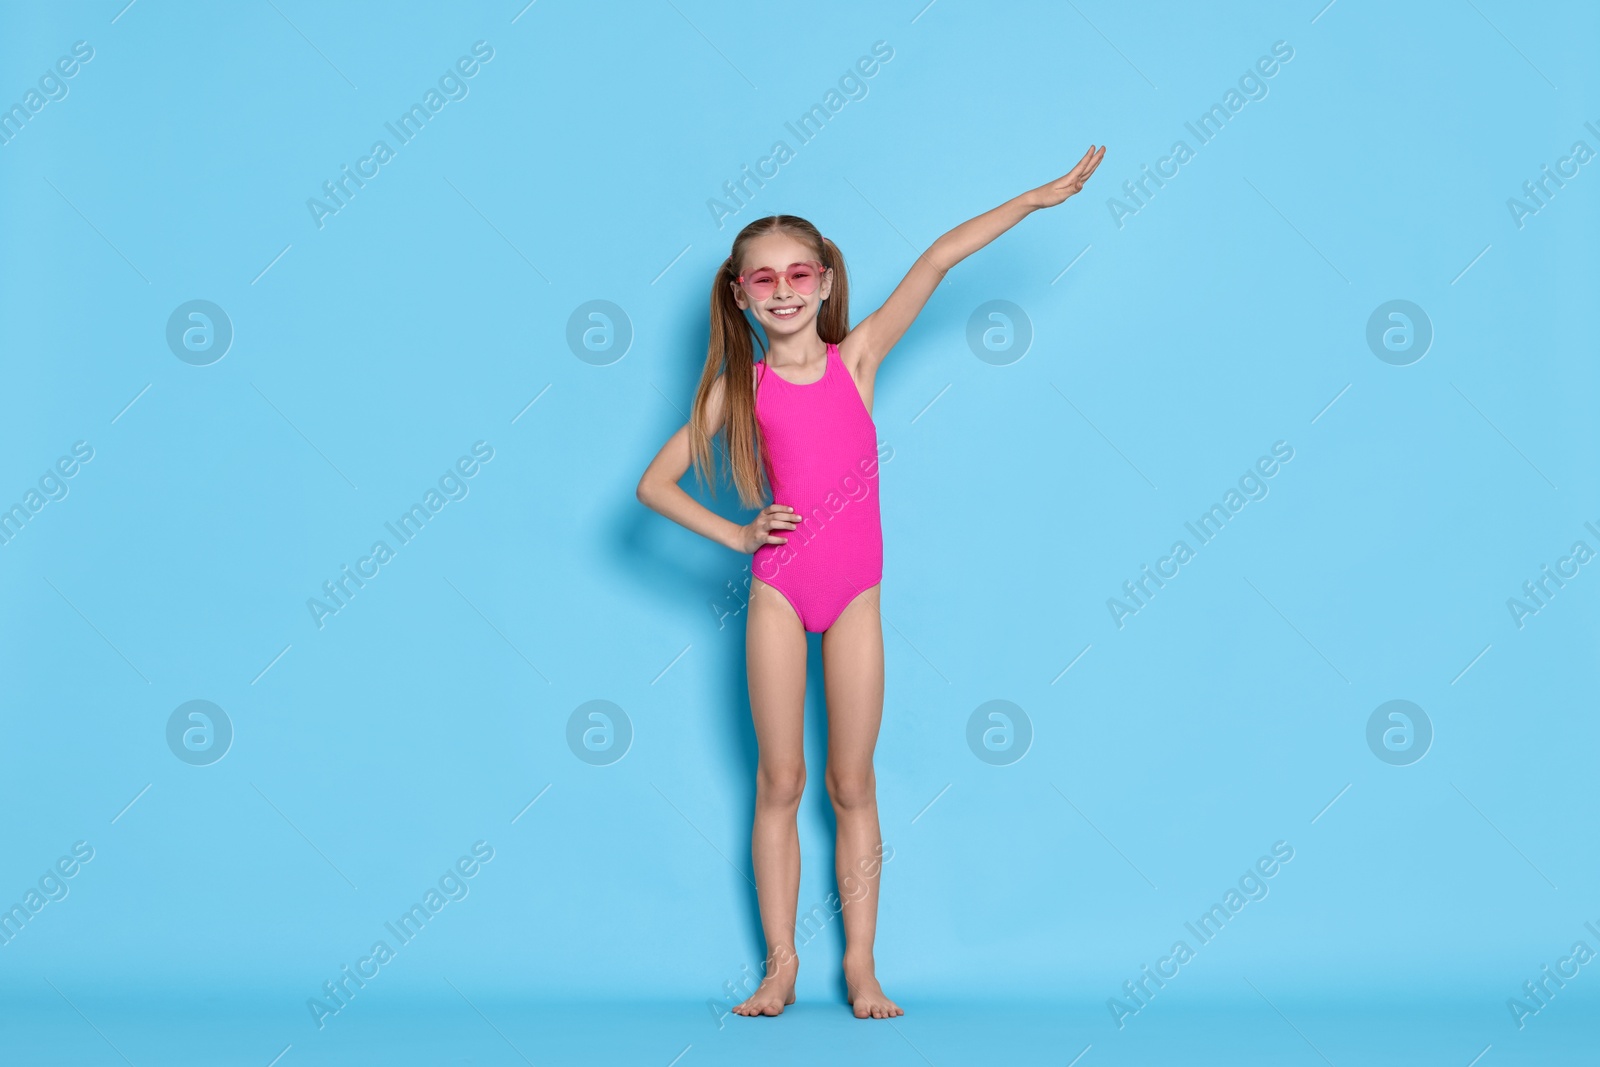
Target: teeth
785	313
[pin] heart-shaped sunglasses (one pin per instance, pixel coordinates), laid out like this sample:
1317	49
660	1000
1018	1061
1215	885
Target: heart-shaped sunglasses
802	278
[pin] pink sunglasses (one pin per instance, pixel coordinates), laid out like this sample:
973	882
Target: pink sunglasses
802	278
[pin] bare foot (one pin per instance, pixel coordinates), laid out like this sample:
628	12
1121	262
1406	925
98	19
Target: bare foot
776	989
864	993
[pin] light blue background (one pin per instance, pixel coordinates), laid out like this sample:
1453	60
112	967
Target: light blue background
427	314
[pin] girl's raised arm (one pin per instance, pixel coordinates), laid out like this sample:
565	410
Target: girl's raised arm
877	333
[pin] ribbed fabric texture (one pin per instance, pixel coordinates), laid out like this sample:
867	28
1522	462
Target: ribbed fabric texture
820	450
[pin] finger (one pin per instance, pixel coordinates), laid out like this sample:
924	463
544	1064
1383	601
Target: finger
777	540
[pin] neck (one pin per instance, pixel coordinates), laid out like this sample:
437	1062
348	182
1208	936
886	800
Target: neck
801	350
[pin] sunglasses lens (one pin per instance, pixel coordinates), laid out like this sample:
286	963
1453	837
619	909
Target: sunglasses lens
761	283
802	278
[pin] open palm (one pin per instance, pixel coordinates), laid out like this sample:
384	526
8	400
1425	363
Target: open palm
1055	192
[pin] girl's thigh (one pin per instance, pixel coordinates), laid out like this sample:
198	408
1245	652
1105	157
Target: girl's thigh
775	662
852	670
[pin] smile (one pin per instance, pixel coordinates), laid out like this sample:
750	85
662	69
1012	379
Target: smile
784	313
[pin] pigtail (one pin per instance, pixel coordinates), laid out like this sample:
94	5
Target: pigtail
833	321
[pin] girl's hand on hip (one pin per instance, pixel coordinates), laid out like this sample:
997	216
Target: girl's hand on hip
760	530
1055	192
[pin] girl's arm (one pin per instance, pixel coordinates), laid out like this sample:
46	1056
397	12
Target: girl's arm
877	333
659	490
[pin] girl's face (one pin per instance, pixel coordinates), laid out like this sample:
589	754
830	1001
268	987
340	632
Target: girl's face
784	310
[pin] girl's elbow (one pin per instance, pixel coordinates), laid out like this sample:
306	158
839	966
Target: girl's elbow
656	486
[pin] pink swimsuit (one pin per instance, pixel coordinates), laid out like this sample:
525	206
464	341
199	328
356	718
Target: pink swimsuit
820	450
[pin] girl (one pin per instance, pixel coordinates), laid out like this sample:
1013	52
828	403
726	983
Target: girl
817	550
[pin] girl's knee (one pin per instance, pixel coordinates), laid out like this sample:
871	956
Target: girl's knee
780	786
852	789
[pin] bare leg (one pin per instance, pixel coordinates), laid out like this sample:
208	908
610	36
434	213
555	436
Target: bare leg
852	664
775	661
